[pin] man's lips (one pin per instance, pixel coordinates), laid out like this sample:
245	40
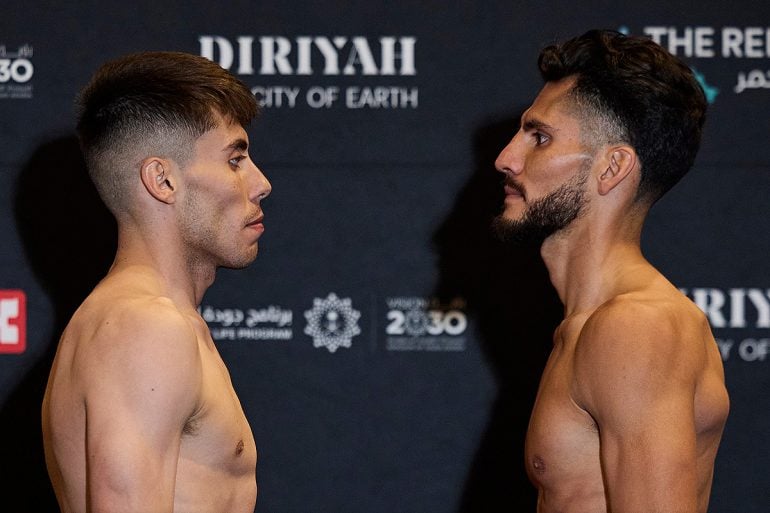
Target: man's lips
257	224
513	190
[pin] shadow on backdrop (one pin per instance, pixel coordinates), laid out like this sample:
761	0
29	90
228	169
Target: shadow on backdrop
509	294
70	240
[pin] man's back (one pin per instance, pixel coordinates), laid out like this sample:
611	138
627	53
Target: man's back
632	399
140	413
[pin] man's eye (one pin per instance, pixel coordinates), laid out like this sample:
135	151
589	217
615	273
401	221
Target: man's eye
236	160
540	138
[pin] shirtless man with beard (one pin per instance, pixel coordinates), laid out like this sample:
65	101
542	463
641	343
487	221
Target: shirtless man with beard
632	401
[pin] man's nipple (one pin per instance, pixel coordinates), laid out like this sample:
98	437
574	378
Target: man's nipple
538	465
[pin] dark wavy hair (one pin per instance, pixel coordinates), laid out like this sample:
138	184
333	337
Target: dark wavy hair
152	103
632	90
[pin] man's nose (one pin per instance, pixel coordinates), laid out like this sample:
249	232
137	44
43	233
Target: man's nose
510	160
261	187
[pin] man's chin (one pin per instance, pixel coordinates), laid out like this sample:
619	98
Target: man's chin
513	212
242	261
518	231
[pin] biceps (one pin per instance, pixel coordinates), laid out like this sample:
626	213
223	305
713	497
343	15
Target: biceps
650	466
129	467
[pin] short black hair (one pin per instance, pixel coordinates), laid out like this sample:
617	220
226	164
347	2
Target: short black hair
649	97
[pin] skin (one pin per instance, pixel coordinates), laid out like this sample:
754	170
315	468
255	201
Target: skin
139	412
632	401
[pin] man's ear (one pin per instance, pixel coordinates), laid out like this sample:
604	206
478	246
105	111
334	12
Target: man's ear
158	178
621	161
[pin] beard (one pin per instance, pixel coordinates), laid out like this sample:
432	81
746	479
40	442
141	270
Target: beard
547	215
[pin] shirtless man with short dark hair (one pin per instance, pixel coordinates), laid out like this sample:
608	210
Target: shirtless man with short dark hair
140	414
632	401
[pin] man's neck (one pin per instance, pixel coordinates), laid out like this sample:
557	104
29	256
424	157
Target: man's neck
183	278
588	266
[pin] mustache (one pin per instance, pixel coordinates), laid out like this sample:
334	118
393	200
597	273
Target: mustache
516	186
253	217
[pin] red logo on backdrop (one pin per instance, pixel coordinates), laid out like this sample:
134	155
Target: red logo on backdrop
13	321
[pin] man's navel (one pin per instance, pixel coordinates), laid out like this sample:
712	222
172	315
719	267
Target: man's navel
239	448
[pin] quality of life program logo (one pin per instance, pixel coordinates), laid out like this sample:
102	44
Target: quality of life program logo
266	323
13	321
332	322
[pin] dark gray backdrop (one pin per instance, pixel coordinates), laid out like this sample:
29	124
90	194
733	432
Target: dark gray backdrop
378	225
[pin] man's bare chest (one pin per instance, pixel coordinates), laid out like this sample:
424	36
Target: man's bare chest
219	431
562	446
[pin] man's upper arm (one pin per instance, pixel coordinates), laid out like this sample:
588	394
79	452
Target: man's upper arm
141	380
636	379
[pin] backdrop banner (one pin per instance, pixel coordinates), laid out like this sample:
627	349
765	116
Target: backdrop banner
386	348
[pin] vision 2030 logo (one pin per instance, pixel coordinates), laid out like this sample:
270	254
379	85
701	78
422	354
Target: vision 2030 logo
16	71
425	324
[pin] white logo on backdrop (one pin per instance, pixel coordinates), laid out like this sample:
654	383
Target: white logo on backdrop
739	318
267	323
332	322
271	58
16	71
740	44
424	324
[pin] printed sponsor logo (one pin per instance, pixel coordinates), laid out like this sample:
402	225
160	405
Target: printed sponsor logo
754	79
268	323
422	324
13	321
727	43
709	42
339	57
740	319
709	90
332	322
306	55
16	71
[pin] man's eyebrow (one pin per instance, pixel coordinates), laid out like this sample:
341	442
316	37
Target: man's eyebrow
238	144
536	124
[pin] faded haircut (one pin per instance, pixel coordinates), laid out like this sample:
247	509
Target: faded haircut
152	103
629	89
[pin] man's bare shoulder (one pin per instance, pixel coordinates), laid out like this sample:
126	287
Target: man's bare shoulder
658	320
643	340
124	328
